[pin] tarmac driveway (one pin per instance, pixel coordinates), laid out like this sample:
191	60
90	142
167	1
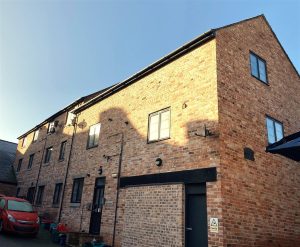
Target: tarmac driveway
12	240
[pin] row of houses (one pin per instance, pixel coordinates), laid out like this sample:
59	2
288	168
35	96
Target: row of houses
176	154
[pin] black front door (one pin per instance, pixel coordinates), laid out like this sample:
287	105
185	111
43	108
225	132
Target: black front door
196	216
98	201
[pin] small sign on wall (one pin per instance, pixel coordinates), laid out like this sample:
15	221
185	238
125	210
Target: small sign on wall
214	225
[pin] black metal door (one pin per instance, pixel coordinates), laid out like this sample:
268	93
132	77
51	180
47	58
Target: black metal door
196	216
98	202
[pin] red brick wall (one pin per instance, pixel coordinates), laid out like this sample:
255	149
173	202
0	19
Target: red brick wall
261	205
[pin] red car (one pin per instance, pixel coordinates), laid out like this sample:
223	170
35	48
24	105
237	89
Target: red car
18	216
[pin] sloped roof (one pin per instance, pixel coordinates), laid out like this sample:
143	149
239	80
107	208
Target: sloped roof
289	147
198	41
7	157
83	99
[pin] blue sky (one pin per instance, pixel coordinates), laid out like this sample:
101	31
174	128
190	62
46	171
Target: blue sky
53	52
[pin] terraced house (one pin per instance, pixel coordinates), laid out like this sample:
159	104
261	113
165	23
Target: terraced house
176	154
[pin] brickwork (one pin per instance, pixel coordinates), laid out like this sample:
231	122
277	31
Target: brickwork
8	189
261	204
148	213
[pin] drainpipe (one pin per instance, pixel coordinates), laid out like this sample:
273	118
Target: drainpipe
40	168
67	170
118	188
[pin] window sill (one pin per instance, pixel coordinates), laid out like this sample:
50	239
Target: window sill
153	141
55	205
61	160
75	204
265	83
91	147
29	169
46	164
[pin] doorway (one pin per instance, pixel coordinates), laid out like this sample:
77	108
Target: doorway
196	216
98	201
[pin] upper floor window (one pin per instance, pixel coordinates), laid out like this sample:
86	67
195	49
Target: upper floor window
24	142
57	192
77	190
35	135
70	118
159	125
48	154
62	150
51	127
30	162
258	67
93	138
40	194
275	130
19	165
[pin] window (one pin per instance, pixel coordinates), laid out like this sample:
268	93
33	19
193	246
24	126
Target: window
19	165
2	203
24	142
159	125
62	150
30	162
48	154
70	118
258	67
35	135
30	194
51	127
93	138
40	194
77	190
275	130
57	192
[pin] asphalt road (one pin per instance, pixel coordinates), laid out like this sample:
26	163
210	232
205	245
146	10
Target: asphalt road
12	240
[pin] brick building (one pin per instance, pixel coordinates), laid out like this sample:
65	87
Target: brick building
176	154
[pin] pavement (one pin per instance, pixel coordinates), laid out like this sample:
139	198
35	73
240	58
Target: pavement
13	240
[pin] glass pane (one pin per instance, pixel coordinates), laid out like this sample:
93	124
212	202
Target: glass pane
165	125
279	131
271	131
253	61
262	71
153	127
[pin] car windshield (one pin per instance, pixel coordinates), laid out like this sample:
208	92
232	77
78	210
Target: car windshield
19	206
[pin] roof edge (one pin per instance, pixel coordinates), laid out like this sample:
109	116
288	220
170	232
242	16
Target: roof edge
196	42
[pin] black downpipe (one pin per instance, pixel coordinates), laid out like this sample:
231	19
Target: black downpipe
67	170
118	188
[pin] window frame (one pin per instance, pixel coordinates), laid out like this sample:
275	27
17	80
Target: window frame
159	125
274	127
89	136
57	194
81	183
50	125
19	165
35	135
24	142
47	160
30	161
62	150
40	195
257	67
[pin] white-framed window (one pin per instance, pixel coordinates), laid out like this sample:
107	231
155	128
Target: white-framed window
24	142
274	130
35	135
50	127
93	137
159	125
258	68
71	116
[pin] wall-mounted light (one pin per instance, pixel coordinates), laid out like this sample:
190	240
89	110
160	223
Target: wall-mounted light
100	170
158	162
114	175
